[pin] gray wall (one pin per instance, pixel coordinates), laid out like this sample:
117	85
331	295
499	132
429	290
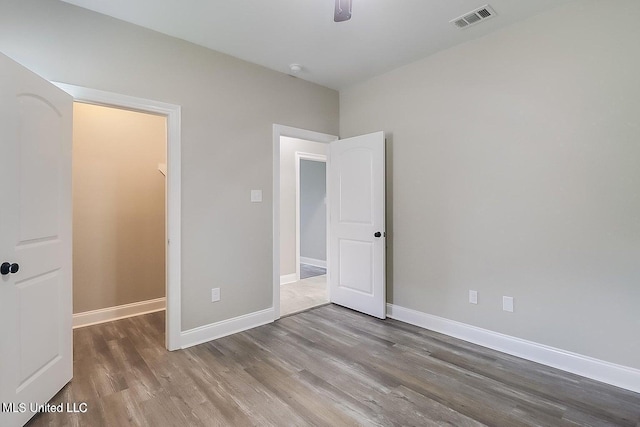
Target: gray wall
228	109
514	169
313	210
288	149
118	207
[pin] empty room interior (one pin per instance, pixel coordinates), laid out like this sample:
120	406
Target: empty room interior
339	212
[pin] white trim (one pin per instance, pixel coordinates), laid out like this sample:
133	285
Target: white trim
312	261
599	370
316	158
173	114
93	317
288	278
278	131
221	329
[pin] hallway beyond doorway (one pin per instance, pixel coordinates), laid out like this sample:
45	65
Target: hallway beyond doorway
303	294
308	270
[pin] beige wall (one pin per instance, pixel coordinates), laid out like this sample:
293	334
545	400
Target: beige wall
228	110
514	169
288	148
118	207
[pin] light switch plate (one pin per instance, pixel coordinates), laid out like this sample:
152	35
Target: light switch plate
507	304
256	196
473	297
215	294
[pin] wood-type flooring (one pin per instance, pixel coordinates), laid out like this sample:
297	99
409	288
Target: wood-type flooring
328	366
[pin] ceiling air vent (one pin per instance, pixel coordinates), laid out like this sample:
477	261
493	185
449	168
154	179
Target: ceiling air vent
473	17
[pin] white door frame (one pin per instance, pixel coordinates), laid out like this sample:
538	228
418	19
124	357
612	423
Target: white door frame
173	232
278	131
315	158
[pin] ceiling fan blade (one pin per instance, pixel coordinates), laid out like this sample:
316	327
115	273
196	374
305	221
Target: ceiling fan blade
342	11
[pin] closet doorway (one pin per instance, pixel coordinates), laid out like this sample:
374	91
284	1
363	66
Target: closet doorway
119	213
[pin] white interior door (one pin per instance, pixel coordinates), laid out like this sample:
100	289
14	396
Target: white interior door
356	225
35	238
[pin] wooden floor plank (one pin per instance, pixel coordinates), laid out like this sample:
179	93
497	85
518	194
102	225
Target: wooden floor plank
326	366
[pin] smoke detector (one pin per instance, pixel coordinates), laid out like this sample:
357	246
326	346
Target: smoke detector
475	16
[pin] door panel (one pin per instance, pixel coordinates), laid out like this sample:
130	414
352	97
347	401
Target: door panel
35	233
356	192
36	297
39	167
356	260
357	202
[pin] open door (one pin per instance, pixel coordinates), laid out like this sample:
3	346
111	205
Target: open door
35	242
357	246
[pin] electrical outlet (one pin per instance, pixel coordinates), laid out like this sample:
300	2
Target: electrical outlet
473	297
215	294
507	304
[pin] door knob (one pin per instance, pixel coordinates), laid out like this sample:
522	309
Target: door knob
7	268
377	234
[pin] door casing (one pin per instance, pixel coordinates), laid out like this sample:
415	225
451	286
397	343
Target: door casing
173	264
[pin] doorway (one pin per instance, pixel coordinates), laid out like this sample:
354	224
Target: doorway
311	214
291	292
303	225
119	213
356	220
173	190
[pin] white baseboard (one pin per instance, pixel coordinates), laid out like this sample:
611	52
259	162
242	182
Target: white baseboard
221	329
288	278
109	314
312	261
600	370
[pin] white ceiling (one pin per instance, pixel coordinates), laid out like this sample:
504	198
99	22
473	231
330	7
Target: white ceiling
381	35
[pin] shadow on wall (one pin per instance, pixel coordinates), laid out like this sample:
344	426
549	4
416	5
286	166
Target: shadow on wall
389	214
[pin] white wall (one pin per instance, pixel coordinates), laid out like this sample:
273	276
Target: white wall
313	210
288	149
228	110
514	169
